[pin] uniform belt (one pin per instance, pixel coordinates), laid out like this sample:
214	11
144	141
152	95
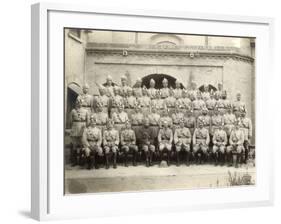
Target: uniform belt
136	124
154	125
201	138
86	106
79	121
90	140
196	109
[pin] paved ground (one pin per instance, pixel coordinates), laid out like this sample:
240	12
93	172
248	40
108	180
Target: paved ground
141	178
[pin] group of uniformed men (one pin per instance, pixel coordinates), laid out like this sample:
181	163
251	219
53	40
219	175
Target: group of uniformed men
153	123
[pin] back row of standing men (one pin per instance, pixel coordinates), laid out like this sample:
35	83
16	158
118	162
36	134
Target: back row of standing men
177	116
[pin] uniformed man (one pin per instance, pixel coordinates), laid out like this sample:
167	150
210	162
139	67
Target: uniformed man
102	99
86	99
229	120
177	116
116	100
137	90
165	139
91	140
201	140
128	143
120	117
193	92
144	101
219	91
109	86
184	102
170	102
206	93
79	118
182	141
211	104
136	121
198	105
110	143
238	106
219	144
217	121
147	142
223	104
100	117
178	90
245	125
130	102
124	86
235	149
190	121
166	118
152	92
206	119
154	122
165	91
158	103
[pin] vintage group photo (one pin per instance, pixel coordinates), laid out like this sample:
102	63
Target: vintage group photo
157	111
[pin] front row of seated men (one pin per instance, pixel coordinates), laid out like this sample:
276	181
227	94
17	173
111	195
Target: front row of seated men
154	143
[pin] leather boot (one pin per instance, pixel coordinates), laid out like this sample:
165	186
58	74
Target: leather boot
114	160
150	158
235	162
178	159
168	159
106	161
216	158
135	158
187	158
147	159
97	160
126	158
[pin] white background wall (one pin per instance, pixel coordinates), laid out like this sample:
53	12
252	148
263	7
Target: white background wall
15	111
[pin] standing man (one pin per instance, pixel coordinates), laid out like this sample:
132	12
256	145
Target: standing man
198	105
177	116
147	142
152	91
235	149
137	90
229	120
100	117
184	102
182	140
130	102
144	101
86	99
158	103
165	91
178	90
206	93
201	140
78	120
193	92
136	121
245	125
154	123
170	102
102	99
119	118
124	86
128	143
205	119
219	91
219	144
116	100
238	106
109	86
110	143
217	121
190	121
165	139
91	140
211	104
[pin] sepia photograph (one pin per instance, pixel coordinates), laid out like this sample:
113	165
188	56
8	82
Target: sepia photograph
150	111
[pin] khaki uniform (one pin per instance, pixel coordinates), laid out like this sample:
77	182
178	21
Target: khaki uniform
158	104
205	96
168	119
147	139
184	103
152	92
170	103
154	121
190	123
177	117
110	141
178	93
165	139
245	125
198	106
193	93
164	92
236	140
201	140
123	90
206	119
137	91
239	107
78	120
137	123
211	104
116	101
182	139
130	103
223	105
216	122
102	101
144	103
120	119
229	120
219	141
218	94
91	140
128	140
109	90
87	101
101	119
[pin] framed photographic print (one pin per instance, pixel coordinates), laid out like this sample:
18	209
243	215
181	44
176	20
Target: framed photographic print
148	111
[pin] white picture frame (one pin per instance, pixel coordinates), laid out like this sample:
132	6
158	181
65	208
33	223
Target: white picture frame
48	201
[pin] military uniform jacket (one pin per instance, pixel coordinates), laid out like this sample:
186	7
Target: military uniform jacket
165	135
116	101
130	102
217	120
109	89
239	106
170	102
245	124
192	93
78	120
144	101
177	93
154	119
220	137
128	137
146	136
201	136
103	100
198	105
86	100
152	92
206	96
190	122
206	119
165	92
124	89
211	104
184	103
182	136
93	135
137	118
137	91
110	137
120	117
100	117
159	104
177	117
236	137
168	119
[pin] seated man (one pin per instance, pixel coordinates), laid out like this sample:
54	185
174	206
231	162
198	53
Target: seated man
110	143
128	142
91	140
165	139
235	149
147	141
219	141
182	140
201	140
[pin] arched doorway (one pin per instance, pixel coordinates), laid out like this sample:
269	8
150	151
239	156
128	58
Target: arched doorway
211	87
158	78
